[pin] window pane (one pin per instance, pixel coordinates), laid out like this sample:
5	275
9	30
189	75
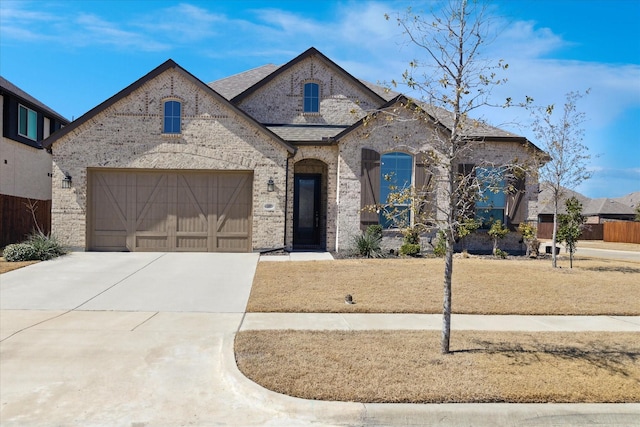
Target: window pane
395	175
311	102
172	117
22	120
32	124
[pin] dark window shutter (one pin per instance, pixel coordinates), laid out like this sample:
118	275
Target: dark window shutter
515	208
369	187
466	172
424	187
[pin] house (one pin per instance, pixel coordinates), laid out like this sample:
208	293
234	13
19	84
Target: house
275	157
595	211
25	167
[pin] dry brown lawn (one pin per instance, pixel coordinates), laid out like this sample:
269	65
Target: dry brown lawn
480	286
406	366
6	266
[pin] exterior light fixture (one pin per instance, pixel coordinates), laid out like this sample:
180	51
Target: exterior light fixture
271	186
66	181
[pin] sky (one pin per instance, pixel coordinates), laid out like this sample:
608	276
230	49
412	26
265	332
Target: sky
74	54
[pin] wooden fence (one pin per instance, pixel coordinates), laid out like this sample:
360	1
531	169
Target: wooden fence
615	231
622	231
16	219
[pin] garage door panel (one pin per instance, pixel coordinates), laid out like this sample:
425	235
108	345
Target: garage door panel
152	202
170	211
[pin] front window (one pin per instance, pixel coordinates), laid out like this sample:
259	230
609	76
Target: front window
27	122
492	198
172	117
396	170
311	98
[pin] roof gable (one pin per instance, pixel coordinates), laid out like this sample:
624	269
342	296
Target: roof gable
167	65
301	58
444	120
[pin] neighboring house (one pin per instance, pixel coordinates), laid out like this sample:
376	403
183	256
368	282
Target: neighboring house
276	157
25	167
595	211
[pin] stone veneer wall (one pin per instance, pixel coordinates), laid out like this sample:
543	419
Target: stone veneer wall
129	135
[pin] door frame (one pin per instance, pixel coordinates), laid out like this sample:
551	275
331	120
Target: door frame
316	242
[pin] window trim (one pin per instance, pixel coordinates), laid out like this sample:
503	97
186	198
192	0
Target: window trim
315	100
29	113
167	119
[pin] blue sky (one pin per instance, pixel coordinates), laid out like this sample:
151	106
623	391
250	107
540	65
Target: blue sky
72	55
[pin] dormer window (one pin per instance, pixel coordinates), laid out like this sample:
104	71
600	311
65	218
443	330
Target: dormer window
27	122
172	117
311	98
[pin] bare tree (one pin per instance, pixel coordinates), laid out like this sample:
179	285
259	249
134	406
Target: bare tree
565	167
453	80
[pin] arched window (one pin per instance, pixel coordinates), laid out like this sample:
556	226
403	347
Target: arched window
172	117
396	170
311	98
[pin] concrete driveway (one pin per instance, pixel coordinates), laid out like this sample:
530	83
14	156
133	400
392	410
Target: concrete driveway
182	282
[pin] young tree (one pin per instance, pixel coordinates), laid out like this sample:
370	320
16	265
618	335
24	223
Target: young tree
570	226
453	80
561	138
498	231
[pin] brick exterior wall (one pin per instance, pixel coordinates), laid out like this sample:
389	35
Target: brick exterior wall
411	137
129	135
280	101
215	137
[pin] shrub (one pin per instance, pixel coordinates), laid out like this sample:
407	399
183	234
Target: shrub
19	252
375	230
368	244
38	246
500	253
440	247
46	247
410	249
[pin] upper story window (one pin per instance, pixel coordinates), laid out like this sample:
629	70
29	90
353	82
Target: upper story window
396	170
311	98
172	117
27	122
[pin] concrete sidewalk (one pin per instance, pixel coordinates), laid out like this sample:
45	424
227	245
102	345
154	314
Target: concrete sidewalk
376	321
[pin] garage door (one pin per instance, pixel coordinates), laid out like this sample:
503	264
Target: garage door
169	211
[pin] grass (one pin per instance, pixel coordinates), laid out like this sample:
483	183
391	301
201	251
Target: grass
480	286
407	367
6	266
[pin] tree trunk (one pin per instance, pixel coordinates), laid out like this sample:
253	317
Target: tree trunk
446	305
555	232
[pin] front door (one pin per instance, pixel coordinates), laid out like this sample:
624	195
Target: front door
306	212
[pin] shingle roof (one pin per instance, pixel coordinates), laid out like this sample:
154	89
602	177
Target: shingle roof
7	86
231	86
306	133
606	207
590	207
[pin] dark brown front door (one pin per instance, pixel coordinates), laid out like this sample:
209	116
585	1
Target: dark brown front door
306	212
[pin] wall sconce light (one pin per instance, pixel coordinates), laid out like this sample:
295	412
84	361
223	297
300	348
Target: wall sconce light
271	186
66	181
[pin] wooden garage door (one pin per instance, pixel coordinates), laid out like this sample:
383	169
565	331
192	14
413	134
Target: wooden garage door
169	211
